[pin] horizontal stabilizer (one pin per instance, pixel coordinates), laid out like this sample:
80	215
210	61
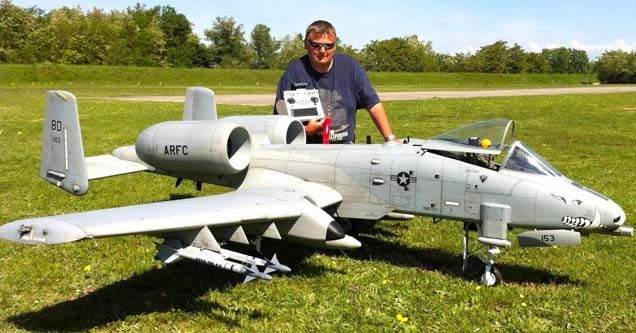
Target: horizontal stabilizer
103	166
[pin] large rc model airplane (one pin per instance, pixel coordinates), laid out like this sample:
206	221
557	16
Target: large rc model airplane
286	189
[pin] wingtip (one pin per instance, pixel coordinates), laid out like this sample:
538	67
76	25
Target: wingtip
37	231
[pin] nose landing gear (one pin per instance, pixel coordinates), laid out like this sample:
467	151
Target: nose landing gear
491	276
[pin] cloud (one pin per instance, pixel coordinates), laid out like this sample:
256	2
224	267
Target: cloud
533	47
468	50
616	44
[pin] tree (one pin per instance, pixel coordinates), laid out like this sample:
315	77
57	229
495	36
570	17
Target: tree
558	59
565	60
347	49
424	54
406	54
517	60
227	44
182	46
461	62
537	63
292	47
144	36
150	48
15	26
444	62
93	40
493	58
263	47
617	67
578	61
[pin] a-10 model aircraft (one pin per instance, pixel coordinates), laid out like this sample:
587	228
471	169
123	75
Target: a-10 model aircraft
286	189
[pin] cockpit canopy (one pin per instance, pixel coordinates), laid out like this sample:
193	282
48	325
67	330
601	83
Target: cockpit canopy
484	137
522	158
482	144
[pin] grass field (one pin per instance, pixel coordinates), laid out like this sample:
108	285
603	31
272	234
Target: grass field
406	276
106	81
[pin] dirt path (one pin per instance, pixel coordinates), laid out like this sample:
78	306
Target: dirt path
268	99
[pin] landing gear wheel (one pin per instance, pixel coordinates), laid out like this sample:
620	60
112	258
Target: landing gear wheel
491	277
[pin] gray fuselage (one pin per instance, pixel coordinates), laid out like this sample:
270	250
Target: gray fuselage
375	180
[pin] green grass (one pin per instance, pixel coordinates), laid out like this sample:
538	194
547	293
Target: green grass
404	268
105	80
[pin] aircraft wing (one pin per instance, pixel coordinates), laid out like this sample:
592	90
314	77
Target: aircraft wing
188	214
274	211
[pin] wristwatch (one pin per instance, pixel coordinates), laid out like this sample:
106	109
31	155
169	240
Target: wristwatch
389	138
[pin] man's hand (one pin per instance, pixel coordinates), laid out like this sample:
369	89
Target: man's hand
392	138
314	126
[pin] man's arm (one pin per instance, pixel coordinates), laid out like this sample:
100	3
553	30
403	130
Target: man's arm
381	120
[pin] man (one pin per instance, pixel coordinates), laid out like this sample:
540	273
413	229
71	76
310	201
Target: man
342	83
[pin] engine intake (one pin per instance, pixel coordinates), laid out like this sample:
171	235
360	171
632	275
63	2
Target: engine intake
195	147
278	129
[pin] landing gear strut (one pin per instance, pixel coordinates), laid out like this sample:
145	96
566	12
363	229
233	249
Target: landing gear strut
491	275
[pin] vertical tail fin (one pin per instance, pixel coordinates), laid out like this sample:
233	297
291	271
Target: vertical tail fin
62	161
199	104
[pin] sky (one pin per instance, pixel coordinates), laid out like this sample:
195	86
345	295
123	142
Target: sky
452	26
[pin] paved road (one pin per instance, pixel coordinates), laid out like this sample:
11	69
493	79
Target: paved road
268	99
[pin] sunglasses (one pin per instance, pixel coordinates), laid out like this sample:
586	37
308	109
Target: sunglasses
318	46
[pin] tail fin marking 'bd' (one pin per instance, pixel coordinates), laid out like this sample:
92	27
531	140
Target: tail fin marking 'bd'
62	160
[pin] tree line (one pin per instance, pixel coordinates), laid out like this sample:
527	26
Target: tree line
160	36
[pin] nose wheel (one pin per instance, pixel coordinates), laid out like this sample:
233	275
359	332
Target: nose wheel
491	276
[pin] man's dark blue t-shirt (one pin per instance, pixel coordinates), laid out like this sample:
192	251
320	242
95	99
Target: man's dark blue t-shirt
343	90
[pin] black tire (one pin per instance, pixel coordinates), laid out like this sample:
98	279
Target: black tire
496	274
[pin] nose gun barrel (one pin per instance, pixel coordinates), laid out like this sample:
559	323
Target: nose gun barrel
624	231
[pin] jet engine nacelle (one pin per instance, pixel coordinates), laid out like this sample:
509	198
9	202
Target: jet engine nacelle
278	129
195	147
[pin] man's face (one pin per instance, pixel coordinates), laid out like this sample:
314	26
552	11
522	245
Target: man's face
321	48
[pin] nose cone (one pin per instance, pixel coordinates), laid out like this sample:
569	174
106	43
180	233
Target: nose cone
617	214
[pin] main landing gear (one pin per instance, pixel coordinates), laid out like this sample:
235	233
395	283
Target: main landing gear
490	274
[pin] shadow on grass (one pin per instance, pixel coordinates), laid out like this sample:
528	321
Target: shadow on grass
179	287
183	286
448	263
180	196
